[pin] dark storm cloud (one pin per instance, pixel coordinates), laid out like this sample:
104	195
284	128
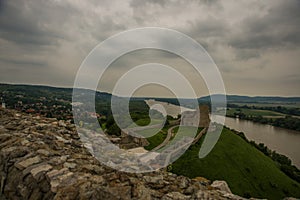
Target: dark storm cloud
22	24
139	4
23	62
48	39
279	27
246	54
46	33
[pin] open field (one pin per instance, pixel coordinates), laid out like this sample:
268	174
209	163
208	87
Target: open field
253	112
289	105
156	139
186	131
144	122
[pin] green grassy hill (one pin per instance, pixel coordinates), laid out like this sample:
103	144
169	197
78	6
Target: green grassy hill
247	170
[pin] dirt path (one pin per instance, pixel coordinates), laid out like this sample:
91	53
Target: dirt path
202	132
167	138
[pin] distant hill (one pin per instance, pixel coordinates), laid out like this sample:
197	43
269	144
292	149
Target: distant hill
66	94
28	97
230	99
41	90
256	99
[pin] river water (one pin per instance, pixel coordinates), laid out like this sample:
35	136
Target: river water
283	141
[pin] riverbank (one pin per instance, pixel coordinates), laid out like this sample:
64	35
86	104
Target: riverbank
265	117
283	162
283	141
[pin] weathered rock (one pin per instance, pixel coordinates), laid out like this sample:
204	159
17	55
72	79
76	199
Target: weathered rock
37	166
42	158
221	185
121	192
57	160
141	192
54	173
39	169
62	123
175	196
26	163
43	152
184	182
202	180
69	165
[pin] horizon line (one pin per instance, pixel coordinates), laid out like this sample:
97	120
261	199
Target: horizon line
227	94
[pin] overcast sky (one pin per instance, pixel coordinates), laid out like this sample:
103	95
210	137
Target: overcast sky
254	43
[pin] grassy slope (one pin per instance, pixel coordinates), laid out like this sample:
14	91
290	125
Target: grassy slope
246	170
145	122
185	131
156	139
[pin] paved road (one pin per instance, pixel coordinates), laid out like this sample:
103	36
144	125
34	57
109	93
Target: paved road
167	138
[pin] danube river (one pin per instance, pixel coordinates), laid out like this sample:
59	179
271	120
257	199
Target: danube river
283	141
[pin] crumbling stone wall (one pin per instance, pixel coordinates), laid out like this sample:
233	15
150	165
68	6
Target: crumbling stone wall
42	158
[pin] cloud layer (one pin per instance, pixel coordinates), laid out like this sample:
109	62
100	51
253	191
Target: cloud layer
254	43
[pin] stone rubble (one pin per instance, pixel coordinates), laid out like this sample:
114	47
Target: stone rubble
43	158
221	185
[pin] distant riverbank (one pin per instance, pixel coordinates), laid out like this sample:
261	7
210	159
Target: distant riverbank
270	117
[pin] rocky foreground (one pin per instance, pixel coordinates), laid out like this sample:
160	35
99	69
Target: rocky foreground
42	158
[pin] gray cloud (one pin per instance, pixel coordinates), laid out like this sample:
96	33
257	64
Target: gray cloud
45	41
22	23
279	27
